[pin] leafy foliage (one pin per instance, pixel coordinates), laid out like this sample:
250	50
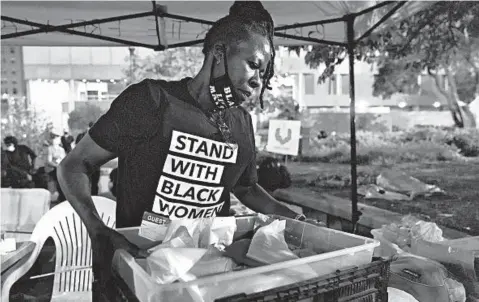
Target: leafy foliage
443	39
83	115
29	126
171	64
388	148
279	98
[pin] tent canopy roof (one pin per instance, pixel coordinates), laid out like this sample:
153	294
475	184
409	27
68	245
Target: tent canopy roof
184	23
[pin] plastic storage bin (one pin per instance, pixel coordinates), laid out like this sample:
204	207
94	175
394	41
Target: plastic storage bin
336	250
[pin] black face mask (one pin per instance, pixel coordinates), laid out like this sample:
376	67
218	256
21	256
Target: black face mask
221	90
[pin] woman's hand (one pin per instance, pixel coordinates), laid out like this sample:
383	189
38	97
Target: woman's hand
106	241
315	222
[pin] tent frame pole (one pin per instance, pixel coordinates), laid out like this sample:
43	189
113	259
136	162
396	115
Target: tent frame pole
351	44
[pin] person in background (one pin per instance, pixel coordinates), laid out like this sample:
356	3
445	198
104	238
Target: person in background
55	154
111	193
273	175
95	175
67	141
20	163
3	166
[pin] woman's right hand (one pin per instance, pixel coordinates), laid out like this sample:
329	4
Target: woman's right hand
106	241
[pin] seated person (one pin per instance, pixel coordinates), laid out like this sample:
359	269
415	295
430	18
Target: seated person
18	162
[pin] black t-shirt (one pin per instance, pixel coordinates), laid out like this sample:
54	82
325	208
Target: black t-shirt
21	157
172	160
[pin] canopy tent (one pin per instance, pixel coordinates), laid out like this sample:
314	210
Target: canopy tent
161	24
167	24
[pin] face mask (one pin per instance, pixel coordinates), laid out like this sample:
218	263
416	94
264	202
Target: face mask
221	90
11	148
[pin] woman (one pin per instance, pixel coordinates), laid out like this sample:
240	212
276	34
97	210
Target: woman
182	146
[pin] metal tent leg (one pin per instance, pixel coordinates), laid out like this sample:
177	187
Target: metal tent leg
352	110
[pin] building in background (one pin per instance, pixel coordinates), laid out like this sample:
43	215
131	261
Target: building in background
334	93
12	79
59	79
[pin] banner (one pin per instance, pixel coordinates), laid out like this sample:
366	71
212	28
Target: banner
283	137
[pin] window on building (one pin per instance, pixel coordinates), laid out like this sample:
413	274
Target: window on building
332	87
345	84
12	50
309	84
14	72
15	91
104	96
92	94
12	60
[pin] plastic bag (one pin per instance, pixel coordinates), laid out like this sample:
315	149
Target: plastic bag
268	244
397	295
212	262
238	250
167	265
181	239
374	191
194	227
427	231
218	232
400	182
426	280
396	238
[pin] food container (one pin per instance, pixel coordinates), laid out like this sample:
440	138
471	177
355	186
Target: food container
335	250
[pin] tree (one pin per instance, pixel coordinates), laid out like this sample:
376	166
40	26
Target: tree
171	64
21	120
83	115
440	40
279	98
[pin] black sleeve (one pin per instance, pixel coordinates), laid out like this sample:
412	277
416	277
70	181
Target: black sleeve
29	151
132	116
250	174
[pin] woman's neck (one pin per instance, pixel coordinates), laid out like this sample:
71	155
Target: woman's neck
199	87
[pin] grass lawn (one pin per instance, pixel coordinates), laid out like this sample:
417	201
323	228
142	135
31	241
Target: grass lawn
458	209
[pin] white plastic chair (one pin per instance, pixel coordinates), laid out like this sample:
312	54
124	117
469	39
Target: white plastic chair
21	211
73	274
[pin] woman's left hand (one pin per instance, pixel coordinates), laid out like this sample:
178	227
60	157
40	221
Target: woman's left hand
315	222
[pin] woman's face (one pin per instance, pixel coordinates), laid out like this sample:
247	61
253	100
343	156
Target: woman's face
247	62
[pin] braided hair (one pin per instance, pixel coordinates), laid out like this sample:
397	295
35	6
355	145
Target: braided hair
244	18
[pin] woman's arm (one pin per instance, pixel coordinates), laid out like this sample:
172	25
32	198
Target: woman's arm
73	178
257	199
